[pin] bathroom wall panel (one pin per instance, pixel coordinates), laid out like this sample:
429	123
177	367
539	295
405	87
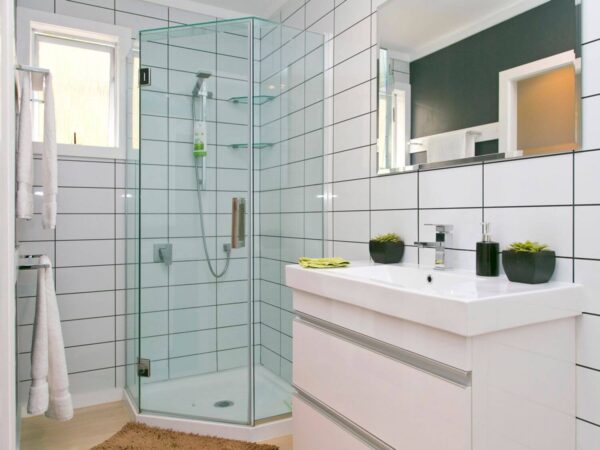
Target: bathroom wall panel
522	207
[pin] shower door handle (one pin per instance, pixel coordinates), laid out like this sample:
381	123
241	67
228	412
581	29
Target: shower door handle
238	222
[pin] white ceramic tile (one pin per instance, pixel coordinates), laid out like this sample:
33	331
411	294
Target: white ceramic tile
351	251
85	200
588	435
588	337
535	181
588	394
193	365
351	103
394	192
183	344
352	133
142	7
42	5
85	253
32	230
352	41
547	225
349	13
590	16
184	16
591	114
455	187
353	71
591	69
586	273
587	220
403	223
351	195
88	331
351	164
86	174
83	11
351	226
586	173
316	9
85	279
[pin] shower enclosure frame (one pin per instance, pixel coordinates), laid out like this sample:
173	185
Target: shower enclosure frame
252	429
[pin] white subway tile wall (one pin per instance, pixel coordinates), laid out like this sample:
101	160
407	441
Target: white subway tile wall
554	199
290	174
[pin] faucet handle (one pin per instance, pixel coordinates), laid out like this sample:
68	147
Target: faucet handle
441	228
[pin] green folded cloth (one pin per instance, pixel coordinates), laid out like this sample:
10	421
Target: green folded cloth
322	263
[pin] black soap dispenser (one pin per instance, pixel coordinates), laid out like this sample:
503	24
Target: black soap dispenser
488	253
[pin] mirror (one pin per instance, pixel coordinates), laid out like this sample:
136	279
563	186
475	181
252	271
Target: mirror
469	80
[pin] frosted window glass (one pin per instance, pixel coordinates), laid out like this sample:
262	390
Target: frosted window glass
83	78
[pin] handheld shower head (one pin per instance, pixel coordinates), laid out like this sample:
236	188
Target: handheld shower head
202	77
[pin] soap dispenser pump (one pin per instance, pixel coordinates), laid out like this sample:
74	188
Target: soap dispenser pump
488	254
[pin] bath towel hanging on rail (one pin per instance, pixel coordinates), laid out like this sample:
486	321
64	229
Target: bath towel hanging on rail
25	150
49	390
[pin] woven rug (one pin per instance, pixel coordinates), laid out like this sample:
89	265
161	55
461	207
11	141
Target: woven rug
137	436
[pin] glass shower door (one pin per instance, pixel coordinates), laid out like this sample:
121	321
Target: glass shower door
195	205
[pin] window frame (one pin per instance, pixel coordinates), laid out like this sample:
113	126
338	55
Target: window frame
31	22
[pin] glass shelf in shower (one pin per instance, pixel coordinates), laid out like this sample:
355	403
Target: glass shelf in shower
257	145
258	99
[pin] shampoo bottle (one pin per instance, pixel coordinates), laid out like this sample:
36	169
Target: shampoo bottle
488	253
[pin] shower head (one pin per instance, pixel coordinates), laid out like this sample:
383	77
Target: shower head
202	77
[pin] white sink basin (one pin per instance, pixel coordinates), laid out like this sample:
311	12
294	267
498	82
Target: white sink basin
455	301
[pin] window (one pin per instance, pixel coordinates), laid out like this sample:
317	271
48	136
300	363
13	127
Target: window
88	62
83	76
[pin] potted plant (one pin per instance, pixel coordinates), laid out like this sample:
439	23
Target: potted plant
386	248
528	262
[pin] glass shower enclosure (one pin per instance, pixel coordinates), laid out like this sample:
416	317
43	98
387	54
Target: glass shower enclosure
225	190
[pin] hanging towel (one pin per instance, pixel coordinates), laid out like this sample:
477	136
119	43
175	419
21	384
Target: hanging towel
322	263
25	153
49	391
49	158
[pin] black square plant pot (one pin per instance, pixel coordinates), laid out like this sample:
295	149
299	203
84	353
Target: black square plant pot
386	252
530	268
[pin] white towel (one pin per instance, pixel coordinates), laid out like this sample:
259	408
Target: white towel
49	391
25	153
49	158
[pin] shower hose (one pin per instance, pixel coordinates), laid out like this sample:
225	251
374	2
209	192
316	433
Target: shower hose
226	247
199	189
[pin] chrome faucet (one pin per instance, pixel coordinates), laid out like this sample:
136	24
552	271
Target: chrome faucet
441	231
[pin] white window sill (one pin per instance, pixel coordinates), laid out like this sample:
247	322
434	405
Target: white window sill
84	151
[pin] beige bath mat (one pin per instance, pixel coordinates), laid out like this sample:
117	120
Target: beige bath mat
137	436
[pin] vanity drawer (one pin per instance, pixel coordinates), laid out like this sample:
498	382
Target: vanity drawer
403	406
314	431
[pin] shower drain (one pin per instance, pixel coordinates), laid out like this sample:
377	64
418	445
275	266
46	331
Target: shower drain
223	404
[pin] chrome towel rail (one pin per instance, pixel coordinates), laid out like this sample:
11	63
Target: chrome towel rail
29	265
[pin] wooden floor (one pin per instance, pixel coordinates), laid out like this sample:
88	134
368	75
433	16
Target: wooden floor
89	427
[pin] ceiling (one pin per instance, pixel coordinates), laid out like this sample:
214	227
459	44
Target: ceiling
261	8
415	28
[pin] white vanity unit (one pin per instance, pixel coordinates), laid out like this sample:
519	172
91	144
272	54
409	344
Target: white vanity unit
400	357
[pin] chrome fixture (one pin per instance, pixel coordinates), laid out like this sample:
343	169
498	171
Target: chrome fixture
163	253
32	69
29	265
200	91
238	222
441	231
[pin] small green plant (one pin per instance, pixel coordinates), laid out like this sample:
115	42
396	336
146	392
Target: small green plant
527	247
388	237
